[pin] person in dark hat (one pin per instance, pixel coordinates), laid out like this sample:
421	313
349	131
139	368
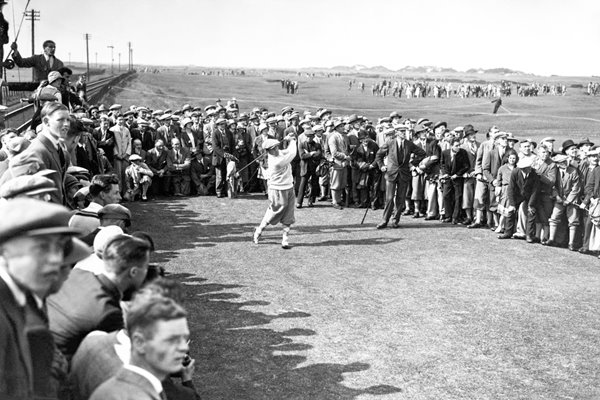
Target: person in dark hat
400	153
281	189
339	147
223	146
310	157
34	236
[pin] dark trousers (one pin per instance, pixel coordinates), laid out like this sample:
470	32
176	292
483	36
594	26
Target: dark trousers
511	221
395	194
314	187
453	190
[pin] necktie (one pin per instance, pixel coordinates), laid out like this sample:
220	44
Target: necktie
61	156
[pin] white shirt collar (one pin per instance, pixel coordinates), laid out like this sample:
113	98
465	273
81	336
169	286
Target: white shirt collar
123	347
153	380
17	293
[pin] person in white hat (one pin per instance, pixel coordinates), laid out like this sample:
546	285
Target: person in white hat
139	178
281	188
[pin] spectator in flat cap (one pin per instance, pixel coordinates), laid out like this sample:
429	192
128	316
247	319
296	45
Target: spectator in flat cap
103	190
139	178
105	138
122	151
42	64
89	302
110	215
33	240
31	186
179	168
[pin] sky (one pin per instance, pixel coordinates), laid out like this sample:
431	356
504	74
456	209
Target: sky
544	37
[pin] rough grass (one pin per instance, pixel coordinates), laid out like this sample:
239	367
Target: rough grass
573	116
429	311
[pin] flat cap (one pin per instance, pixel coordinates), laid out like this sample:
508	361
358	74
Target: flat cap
395	114
186	121
26	186
29	217
54	75
186	107
115	107
548	139
270	143
135	157
115	211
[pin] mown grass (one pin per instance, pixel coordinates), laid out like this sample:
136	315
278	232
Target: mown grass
429	311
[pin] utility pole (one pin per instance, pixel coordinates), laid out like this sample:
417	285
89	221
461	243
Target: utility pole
119	62
87	55
129	55
112	58
32	16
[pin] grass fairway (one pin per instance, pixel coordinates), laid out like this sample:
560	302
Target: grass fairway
573	116
429	311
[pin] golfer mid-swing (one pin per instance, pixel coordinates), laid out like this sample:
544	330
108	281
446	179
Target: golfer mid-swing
281	188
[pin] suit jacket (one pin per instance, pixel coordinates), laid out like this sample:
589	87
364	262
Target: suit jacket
521	189
592	185
398	164
221	143
308	162
147	137
459	166
126	385
568	187
491	163
16	375
40	66
183	164
45	151
157	162
198	139
122	141
108	144
339	147
86	303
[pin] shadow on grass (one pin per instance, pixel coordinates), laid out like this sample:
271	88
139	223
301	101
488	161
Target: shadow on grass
237	358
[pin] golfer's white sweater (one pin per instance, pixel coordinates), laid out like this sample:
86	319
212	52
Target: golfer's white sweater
280	170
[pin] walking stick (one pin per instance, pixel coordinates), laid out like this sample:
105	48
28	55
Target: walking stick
364	216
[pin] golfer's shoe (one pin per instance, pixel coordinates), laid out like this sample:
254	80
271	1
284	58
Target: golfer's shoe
256	236
285	244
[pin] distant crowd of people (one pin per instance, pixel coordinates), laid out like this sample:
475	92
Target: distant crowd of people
439	89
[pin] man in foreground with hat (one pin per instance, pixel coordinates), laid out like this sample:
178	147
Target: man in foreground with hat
281	188
33	242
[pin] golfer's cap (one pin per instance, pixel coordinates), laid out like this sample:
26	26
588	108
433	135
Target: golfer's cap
270	143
